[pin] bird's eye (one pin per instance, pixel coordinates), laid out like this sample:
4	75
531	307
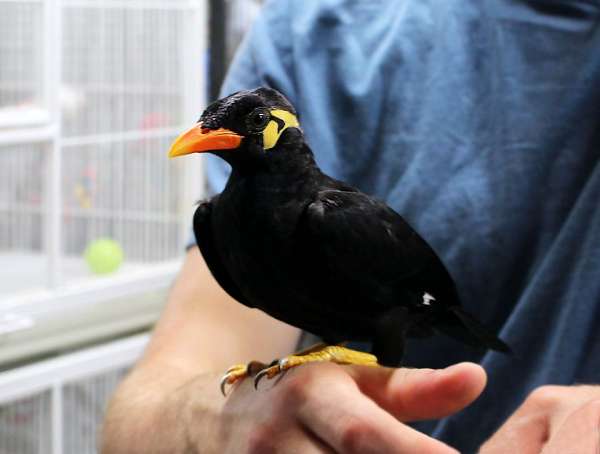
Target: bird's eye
258	120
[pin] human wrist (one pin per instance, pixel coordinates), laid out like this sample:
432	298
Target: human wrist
145	414
199	407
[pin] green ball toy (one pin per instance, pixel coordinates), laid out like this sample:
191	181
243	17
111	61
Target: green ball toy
104	256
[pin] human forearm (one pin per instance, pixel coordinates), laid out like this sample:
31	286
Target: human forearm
201	333
142	415
150	412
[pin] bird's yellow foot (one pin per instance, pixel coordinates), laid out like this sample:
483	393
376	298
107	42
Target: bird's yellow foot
332	353
239	372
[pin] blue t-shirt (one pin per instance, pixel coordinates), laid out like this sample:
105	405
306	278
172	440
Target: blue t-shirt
479	122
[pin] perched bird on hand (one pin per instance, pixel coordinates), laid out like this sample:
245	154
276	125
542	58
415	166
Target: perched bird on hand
313	251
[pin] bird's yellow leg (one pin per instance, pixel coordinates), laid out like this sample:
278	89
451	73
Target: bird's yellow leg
316	353
239	372
332	353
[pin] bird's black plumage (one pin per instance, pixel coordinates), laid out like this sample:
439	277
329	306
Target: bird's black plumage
315	252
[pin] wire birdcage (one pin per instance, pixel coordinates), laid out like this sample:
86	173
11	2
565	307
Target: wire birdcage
92	92
119	91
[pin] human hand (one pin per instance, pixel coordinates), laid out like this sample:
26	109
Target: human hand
552	420
327	408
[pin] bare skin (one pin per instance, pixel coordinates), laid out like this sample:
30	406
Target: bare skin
552	420
171	402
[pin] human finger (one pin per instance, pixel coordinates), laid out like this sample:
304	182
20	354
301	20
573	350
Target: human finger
416	394
294	440
350	423
580	432
524	434
530	427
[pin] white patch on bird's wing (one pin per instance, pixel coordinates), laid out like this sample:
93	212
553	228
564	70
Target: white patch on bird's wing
388	229
427	299
318	208
331	202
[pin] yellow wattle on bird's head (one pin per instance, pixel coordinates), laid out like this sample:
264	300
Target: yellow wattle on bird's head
275	128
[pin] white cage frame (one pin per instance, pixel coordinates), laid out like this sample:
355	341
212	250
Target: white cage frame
23	316
55	374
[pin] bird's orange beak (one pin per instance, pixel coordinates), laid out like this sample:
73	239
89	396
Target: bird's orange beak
198	139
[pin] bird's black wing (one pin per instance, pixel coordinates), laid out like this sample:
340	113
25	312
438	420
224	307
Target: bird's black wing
375	260
361	238
204	239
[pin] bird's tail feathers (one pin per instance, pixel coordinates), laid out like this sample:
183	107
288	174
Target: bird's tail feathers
462	326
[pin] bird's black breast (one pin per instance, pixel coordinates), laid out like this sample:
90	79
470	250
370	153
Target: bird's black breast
253	230
208	247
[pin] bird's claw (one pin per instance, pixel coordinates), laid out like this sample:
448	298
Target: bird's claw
223	383
259	377
233	375
267	372
239	372
273	370
258	370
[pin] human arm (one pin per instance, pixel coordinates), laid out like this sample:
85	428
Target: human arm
171	402
552	420
201	332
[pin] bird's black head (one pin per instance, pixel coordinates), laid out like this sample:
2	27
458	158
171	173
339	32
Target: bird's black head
244	122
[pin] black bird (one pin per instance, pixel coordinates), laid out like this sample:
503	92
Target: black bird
313	251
